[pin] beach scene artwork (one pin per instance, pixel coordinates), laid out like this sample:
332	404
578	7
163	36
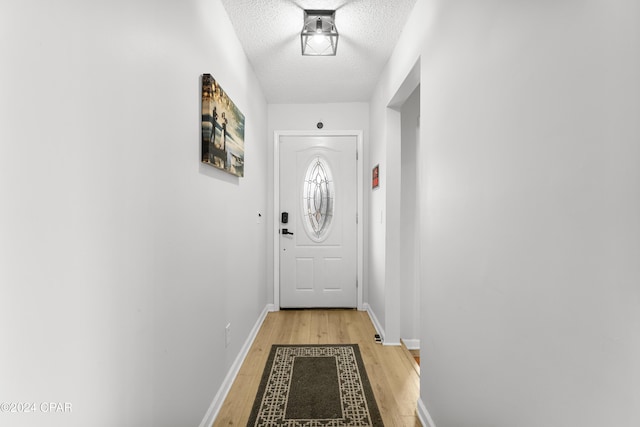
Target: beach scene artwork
222	129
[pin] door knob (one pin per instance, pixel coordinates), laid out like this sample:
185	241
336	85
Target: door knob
286	231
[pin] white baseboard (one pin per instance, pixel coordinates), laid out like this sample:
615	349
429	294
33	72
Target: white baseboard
374	320
221	395
411	344
424	416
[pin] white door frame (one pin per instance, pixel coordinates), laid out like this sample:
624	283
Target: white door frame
276	206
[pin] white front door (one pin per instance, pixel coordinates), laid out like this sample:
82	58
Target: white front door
318	241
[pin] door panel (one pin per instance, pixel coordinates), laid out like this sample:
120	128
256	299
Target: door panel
318	188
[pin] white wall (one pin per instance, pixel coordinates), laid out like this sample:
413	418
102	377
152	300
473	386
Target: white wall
410	222
336	116
377	213
122	258
397	82
530	209
533	223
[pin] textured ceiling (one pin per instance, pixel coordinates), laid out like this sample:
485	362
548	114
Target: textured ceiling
269	31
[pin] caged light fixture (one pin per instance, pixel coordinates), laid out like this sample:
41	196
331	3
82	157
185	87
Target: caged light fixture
319	35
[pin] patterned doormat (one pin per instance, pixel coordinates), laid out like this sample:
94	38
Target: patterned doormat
315	385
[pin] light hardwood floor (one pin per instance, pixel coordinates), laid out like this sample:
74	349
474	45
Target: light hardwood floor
393	373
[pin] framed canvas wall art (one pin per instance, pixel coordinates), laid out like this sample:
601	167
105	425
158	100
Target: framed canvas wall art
222	129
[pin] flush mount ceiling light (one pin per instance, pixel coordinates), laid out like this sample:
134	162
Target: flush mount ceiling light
319	35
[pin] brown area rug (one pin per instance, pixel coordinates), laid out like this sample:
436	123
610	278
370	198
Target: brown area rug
315	385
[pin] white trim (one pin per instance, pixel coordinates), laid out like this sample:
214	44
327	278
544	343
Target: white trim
411	344
374	320
378	326
423	415
276	206
276	219
221	395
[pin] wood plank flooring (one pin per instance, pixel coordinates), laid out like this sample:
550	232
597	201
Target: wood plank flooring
393	373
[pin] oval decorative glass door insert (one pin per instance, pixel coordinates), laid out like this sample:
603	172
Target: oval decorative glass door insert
317	199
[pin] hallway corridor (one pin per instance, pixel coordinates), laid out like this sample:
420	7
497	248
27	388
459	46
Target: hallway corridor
393	374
